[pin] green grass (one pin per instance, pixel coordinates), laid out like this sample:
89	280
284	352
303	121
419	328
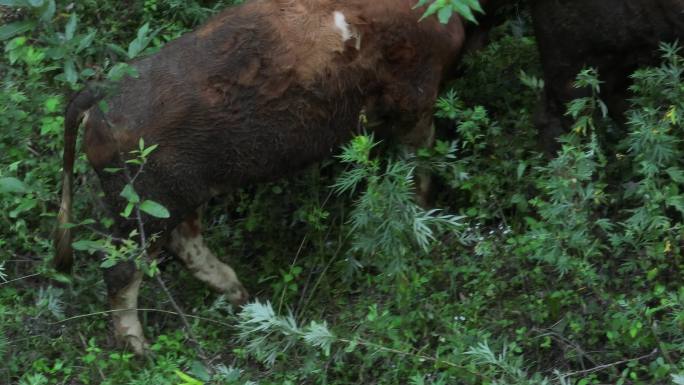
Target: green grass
561	271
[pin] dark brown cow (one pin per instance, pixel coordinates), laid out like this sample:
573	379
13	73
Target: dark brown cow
260	91
614	36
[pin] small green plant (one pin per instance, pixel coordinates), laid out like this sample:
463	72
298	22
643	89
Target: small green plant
41	10
444	9
387	224
129	248
583	110
268	336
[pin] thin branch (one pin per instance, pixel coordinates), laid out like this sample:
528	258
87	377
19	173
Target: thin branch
106	312
606	366
414	355
183	318
104	234
294	261
661	345
322	274
160	281
19	279
583	355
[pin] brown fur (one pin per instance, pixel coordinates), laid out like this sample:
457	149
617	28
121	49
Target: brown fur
260	91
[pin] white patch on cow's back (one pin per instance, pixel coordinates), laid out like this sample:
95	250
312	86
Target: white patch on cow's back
342	25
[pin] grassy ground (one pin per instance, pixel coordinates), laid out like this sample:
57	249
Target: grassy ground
562	271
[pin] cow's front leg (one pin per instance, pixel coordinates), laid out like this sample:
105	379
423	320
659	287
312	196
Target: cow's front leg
188	244
123	284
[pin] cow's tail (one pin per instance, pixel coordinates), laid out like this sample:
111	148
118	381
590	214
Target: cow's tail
83	101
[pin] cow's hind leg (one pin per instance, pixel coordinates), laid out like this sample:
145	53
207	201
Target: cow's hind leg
188	244
424	177
123	283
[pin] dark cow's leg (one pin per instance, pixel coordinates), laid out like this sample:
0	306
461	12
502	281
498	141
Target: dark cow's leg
187	242
424	177
421	136
123	280
550	124
123	283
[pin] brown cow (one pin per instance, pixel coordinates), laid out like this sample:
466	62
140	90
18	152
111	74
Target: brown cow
614	36
260	91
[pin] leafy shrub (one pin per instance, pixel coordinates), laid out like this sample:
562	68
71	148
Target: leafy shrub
560	271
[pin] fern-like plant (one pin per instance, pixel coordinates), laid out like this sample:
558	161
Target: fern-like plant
387	225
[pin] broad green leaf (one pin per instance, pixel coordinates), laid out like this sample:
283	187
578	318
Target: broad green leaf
88	221
139	44
142	31
464	11
12	185
86	41
155	209
444	14
18	27
119	70
432	9
48	10
61	278
128	210
70	73
108	262
15	3
474	4
86	245
146	152
633	331
200	371
25	205
15	43
129	193
52	104
117	49
445	9
56	52
70	28
522	166
87	73
187	380
420	3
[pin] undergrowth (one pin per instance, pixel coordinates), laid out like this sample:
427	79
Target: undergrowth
535	270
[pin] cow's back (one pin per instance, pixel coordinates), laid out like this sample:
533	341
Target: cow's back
266	88
235	102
